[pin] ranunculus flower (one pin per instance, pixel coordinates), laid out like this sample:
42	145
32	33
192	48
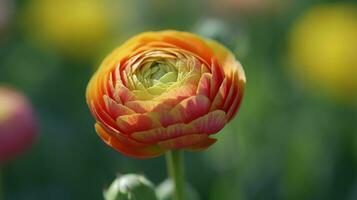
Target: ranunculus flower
18	125
165	90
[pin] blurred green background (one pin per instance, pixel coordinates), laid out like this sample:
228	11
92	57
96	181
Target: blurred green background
295	136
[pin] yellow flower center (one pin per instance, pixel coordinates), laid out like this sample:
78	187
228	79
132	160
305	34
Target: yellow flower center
153	73
157	72
150	74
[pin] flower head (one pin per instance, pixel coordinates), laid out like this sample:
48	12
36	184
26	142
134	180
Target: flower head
18	126
165	90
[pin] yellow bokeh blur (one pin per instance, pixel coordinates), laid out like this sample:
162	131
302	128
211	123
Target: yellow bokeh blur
77	28
323	48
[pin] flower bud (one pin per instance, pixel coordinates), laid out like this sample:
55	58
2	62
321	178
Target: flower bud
166	191
131	187
17	124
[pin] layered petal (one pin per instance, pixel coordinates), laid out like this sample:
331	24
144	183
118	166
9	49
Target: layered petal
165	90
127	146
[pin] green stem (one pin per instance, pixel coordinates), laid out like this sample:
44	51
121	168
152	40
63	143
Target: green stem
175	169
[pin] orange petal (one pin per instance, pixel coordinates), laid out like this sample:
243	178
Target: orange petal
165	105
217	78
128	146
183	141
189	42
103	117
141	106
94	91
178	94
220	52
231	67
137	122
233	91
202	145
114	109
159	134
192	108
221	96
210	123
162	106
124	93
237	101
204	85
225	57
168	118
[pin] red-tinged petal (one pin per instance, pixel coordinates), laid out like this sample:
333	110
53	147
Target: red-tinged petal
221	96
237	101
126	140
178	94
216	80
124	93
233	91
210	123
168	118
204	85
183	141
192	108
114	109
103	117
137	122
202	145
116	75
159	134
164	106
128	146
141	106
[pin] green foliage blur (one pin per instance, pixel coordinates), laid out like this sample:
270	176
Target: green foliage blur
287	141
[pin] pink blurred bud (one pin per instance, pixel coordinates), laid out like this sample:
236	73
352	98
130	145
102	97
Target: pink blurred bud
18	125
6	13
